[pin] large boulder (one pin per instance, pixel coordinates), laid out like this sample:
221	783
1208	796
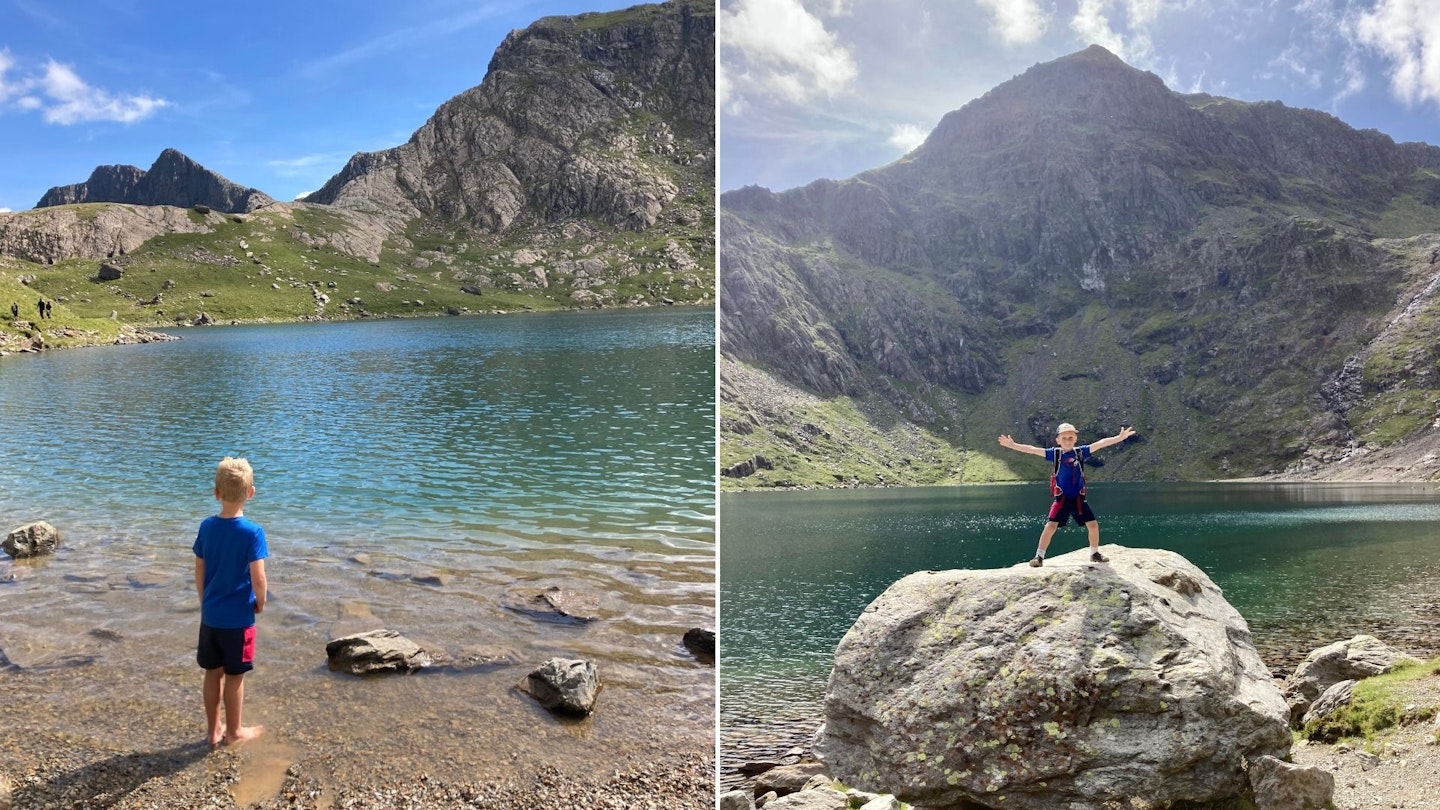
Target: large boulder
31	540
376	651
1351	660
1073	686
565	686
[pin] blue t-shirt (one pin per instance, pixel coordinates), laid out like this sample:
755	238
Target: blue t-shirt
1069	479
228	546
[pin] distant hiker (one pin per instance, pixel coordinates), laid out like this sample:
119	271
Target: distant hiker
14	310
40	308
49	306
230	554
1067	484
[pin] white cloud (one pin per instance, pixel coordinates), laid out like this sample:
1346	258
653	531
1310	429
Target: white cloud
1354	78
305	164
5	211
62	97
907	136
1292	60
1407	33
784	52
1093	24
73	101
402	38
8	89
1017	21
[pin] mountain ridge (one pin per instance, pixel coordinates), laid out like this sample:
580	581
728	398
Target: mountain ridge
173	179
1082	200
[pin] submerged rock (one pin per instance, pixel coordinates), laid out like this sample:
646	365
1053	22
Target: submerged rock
1074	685
31	540
375	651
552	604
565	686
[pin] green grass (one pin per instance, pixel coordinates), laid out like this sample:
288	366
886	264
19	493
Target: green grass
1393	415
1375	707
277	275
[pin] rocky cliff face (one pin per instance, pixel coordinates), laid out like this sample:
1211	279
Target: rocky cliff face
173	179
48	235
608	116
1082	244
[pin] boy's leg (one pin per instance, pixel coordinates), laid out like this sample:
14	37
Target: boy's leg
1093	527
1045	535
235	731
211	692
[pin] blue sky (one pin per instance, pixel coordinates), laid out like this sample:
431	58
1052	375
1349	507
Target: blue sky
272	95
830	88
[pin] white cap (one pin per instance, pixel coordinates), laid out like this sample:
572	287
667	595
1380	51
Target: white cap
1065	427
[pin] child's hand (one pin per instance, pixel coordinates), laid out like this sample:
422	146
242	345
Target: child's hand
1007	441
1126	432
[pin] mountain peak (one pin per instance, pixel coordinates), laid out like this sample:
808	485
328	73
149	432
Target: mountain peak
173	179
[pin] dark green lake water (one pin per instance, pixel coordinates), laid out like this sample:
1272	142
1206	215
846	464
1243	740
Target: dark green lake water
1306	564
483	453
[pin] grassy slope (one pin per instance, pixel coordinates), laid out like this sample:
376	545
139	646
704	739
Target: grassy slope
211	272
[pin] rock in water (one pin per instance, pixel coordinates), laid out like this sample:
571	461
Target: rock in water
700	642
1073	685
31	540
565	686
376	651
552	603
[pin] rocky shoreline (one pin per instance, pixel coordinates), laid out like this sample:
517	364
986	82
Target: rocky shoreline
48	770
22	338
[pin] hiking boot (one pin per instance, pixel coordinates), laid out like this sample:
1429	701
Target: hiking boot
1037	562
1096	556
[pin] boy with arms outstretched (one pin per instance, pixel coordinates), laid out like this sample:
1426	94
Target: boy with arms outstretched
230	554
1067	484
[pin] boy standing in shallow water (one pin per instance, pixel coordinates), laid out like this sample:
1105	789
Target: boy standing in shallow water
230	554
1067	484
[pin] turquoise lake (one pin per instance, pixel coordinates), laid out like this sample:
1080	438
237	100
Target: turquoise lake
411	474
1306	564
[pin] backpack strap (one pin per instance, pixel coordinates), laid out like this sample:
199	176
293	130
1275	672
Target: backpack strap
1055	471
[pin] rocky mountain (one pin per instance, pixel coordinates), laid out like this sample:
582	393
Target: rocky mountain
608	116
1252	286
580	173
173	179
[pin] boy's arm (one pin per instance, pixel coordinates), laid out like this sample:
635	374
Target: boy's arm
1125	433
257	583
200	577
1007	441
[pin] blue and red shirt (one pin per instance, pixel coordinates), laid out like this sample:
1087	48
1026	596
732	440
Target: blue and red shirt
1068	478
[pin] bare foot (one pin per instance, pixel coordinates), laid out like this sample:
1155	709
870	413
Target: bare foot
216	737
245	734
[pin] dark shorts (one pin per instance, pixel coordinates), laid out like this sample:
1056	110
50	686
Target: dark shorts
1065	508
233	649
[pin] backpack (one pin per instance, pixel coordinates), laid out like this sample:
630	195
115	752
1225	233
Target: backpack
1055	472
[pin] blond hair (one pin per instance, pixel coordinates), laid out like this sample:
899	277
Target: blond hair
233	480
